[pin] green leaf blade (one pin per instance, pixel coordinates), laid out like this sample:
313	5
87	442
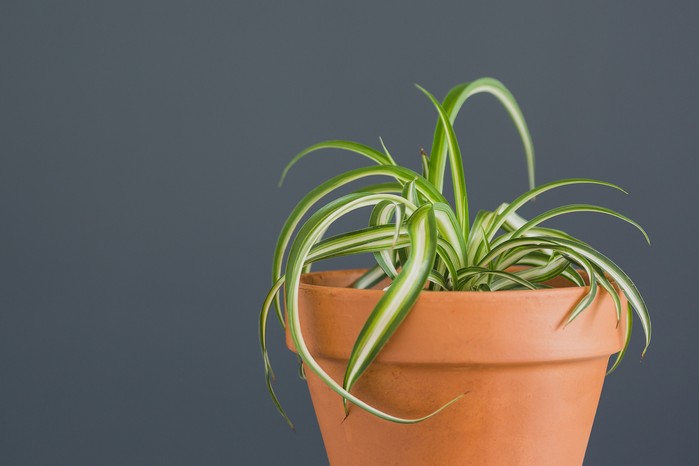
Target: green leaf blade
452	105
357	148
456	164
400	297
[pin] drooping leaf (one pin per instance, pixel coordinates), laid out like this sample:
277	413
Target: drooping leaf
575	208
452	104
357	148
627	339
399	298
300	249
400	174
269	374
532	193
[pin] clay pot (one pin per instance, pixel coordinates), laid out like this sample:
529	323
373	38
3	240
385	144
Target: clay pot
532	385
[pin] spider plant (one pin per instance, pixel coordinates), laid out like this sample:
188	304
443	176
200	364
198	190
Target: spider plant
420	241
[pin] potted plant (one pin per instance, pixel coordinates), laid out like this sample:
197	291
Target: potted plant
469	341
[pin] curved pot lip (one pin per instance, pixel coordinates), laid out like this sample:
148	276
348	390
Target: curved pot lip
429	295
474	327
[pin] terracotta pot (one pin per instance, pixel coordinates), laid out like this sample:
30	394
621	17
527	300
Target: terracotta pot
532	385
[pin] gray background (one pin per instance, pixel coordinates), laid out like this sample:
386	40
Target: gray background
140	146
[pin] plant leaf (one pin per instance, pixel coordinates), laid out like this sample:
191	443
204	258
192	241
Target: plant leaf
452	104
620	277
553	267
476	237
300	248
470	272
437	279
400	297
369	279
390	187
602	279
532	193
456	164
365	240
448	228
594	257
381	215
361	149
400	174
574	208
540	259
627	339
269	374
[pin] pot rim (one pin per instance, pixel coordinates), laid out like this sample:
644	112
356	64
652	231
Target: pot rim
437	295
471	328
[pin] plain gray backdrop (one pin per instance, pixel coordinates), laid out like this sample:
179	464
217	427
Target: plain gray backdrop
140	148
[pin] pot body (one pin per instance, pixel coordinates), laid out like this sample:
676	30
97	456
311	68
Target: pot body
532	384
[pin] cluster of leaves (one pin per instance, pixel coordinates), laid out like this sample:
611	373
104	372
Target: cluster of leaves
417	238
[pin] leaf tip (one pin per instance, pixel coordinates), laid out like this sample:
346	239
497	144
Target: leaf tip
291	424
422	89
